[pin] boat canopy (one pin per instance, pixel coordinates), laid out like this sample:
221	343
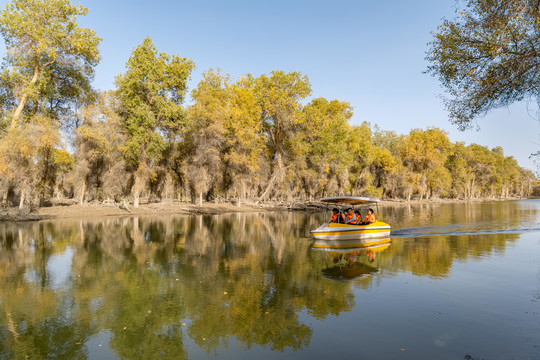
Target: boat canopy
350	200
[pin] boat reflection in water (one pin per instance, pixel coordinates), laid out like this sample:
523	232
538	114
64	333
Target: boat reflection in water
348	243
350	263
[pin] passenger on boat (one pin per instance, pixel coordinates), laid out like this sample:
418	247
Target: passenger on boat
358	217
350	217
370	217
337	217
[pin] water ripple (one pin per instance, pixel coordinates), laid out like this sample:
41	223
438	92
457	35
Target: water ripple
409	232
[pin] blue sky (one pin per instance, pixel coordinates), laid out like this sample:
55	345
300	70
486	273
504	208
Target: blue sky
370	53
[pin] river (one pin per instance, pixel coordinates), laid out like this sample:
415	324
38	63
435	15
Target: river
457	281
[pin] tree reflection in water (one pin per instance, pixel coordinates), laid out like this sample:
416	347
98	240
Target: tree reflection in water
152	282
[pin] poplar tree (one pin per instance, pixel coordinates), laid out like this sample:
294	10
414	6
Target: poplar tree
206	133
48	68
151	93
279	98
45	44
323	142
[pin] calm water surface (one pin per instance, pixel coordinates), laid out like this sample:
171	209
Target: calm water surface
457	281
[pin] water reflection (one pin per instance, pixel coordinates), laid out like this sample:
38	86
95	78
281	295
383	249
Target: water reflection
145	285
152	282
462	218
347	264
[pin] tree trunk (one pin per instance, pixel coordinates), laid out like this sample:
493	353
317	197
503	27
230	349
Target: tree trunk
168	188
200	198
57	192
44	176
25	97
5	197
276	176
243	193
136	200
137	188
83	191
23	193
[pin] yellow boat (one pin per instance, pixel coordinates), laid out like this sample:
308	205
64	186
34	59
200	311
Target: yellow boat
335	235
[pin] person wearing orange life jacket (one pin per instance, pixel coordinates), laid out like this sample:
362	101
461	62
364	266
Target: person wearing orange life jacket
337	217
350	217
358	218
370	217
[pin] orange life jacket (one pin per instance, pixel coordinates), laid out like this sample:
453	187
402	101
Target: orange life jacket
349	218
335	218
370	218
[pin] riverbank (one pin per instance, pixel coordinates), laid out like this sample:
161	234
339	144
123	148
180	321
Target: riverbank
98	210
65	211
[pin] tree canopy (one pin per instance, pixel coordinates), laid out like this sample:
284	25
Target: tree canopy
487	57
258	137
45	47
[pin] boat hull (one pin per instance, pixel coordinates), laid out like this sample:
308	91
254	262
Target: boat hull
347	244
345	235
382	244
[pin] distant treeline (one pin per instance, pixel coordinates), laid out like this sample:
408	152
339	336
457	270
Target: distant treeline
246	139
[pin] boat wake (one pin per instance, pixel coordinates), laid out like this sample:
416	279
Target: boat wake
429	231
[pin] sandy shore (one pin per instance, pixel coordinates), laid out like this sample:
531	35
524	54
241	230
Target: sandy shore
96	210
